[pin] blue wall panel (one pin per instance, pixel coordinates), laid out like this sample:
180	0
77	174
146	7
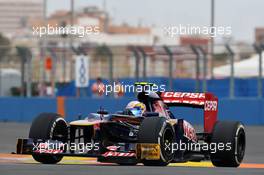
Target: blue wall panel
11	109
25	109
248	110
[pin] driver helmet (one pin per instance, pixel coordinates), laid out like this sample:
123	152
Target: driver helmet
136	108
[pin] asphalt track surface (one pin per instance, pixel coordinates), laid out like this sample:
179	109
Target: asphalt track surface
24	165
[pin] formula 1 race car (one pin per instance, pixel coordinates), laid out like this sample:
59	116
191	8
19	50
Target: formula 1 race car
156	138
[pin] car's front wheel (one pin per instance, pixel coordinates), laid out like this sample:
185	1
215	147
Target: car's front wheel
48	126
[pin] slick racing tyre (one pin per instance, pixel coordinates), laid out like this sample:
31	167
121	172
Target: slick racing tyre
48	126
156	130
233	134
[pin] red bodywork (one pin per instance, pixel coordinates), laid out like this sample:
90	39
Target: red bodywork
207	101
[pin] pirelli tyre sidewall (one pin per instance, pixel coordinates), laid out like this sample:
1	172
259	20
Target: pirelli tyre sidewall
48	126
157	130
232	133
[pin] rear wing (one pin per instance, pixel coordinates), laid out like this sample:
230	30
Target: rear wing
206	101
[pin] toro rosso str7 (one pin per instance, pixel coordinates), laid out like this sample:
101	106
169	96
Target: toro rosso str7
153	139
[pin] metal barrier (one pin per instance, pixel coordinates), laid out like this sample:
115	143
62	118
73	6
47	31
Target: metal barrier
138	62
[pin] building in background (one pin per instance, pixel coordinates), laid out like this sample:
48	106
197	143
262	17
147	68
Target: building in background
110	33
188	68
15	15
259	35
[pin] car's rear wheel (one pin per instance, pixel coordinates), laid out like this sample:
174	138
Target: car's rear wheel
157	131
232	135
48	126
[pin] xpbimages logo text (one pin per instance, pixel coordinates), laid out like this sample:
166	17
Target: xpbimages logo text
193	30
130	88
58	147
79	31
208	147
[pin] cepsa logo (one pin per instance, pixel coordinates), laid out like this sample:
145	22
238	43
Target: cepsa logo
210	106
184	95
